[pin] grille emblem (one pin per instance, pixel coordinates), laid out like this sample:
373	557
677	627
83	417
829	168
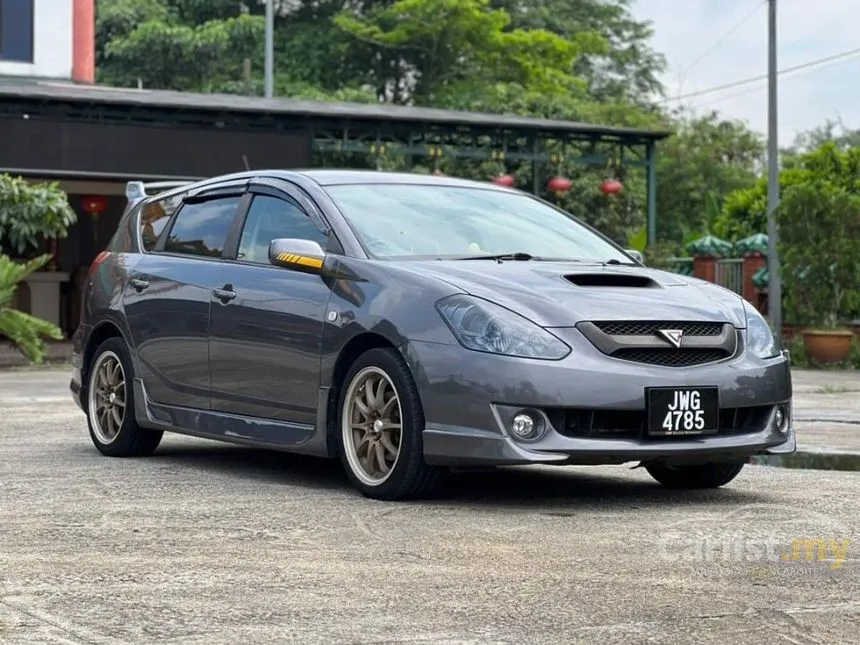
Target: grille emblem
673	336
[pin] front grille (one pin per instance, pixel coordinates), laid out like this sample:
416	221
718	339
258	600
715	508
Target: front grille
630	424
647	342
671	357
648	328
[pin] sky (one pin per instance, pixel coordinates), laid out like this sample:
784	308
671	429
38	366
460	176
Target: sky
807	30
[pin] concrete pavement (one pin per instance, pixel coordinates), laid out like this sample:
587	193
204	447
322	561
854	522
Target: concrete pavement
827	411
205	543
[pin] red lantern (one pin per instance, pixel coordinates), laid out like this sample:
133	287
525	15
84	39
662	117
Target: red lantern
559	185
611	187
94	204
504	180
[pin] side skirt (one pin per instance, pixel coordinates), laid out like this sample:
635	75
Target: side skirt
231	428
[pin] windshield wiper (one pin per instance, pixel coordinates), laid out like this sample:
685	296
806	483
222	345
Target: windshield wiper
500	257
518	257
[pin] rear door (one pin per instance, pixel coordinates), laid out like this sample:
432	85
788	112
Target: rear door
168	296
265	343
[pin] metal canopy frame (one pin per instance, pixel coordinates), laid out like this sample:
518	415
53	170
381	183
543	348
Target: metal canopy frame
376	130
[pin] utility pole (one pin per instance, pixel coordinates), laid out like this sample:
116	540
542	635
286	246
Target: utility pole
270	48
774	289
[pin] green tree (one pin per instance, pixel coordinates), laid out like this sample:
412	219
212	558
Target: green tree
745	211
622	66
438	48
833	131
201	45
819	219
197	12
707	160
820	246
167	55
116	19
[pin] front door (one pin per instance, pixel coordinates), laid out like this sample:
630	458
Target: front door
168	297
265	343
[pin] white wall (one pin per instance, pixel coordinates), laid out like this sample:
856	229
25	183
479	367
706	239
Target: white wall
52	43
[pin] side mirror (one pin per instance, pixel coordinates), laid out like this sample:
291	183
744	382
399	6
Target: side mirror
305	256
636	255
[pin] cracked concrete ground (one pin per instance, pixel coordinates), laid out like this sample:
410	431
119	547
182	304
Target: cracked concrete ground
205	543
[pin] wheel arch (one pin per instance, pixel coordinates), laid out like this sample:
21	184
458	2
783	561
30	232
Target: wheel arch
100	333
349	353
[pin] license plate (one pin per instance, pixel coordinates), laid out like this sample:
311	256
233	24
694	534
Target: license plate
683	410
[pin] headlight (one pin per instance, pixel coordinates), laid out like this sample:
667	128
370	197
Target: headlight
483	326
760	339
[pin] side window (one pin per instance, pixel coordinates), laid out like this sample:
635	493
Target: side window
270	218
154	216
201	229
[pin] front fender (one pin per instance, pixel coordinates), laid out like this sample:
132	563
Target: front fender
379	299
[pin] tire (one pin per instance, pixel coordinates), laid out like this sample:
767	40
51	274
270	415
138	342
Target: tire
113	429
711	475
366	433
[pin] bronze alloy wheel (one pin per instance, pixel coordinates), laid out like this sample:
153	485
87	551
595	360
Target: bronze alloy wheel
372	426
107	397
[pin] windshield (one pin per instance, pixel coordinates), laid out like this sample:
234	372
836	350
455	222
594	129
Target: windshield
403	220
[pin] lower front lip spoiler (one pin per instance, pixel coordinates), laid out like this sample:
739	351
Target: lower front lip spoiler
464	446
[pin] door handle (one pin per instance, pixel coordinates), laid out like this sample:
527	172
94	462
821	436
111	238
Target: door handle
138	284
224	295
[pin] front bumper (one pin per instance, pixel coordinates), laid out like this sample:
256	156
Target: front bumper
469	397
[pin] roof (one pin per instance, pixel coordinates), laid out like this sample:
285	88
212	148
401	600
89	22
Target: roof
97	94
339	177
136	190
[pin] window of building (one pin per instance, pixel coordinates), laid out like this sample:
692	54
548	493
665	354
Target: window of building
270	218
16	30
202	229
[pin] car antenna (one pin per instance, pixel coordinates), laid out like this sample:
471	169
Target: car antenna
245	160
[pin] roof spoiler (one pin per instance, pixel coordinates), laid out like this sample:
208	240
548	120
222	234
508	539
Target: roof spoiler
137	190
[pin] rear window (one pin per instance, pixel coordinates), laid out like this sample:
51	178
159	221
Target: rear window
154	217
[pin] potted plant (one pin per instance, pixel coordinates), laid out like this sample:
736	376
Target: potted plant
820	231
26	332
30	214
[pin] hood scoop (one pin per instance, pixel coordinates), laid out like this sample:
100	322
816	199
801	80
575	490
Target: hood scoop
627	280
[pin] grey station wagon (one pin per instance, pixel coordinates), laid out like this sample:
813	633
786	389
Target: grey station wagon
412	324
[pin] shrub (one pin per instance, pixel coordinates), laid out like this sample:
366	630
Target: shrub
30	213
820	248
26	332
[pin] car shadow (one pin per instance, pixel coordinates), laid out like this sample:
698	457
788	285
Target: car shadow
548	488
255	464
581	487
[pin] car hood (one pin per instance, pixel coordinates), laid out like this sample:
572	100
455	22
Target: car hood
561	294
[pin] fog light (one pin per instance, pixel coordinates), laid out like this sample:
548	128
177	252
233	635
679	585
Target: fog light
781	419
526	424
